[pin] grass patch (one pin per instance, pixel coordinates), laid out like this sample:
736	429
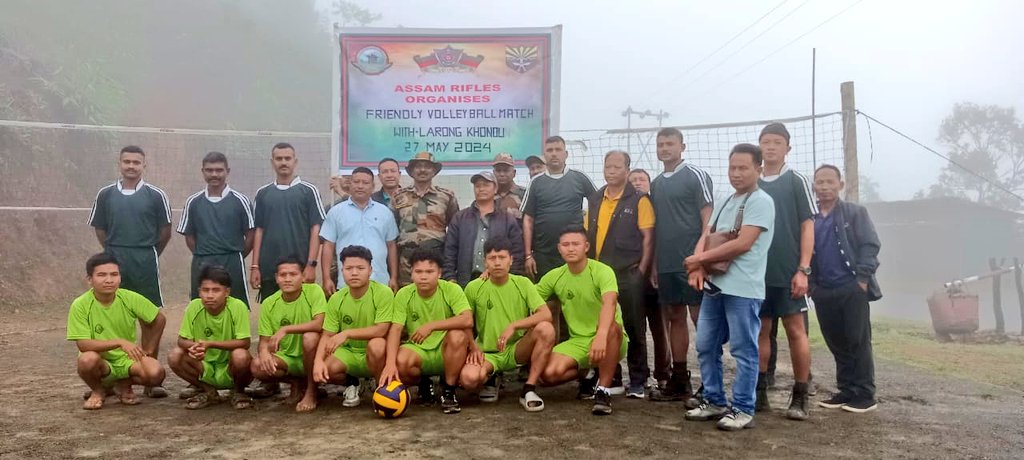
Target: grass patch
914	344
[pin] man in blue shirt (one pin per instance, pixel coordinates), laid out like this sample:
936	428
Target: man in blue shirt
729	311
843	281
361	221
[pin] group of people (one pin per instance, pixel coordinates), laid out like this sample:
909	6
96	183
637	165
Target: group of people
523	278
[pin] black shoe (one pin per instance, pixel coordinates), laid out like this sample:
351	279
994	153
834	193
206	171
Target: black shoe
837	401
770	380
678	389
449	403
697	399
860	406
426	395
602	403
587	384
798	403
762	404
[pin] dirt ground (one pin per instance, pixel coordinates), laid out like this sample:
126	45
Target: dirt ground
921	415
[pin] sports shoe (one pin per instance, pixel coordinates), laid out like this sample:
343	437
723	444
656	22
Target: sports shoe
696	400
426	395
860	406
602	402
706	411
265	389
587	384
812	389
798	403
351	395
635	391
838	400
770	380
762	404
736	420
677	389
449	403
617	388
489	393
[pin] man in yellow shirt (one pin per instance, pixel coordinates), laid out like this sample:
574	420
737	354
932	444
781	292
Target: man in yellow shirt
620	229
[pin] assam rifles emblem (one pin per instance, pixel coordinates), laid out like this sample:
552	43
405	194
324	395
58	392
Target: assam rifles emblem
371	60
521	58
448	59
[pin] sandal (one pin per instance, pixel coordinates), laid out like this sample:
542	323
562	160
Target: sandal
531	402
240	401
201	400
189	391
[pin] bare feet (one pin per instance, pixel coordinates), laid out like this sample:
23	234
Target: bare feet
296	393
126	394
308	402
94	402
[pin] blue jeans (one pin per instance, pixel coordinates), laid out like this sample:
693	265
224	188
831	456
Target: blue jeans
725	317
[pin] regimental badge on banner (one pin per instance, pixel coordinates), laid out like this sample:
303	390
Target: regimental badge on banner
372	60
448	59
521	58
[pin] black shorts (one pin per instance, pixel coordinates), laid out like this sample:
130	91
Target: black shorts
674	289
779	303
140	271
233	263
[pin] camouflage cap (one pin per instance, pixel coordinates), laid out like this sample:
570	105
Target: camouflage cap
485	175
503	158
424	156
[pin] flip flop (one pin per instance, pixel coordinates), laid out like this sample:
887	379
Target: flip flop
201	400
531	402
240	401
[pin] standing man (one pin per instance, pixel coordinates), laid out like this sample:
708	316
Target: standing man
360	221
469	230
390	174
553	202
682	198
133	223
730	310
845	260
510	195
423	212
652	306
789	265
218	226
620	230
288	214
536	165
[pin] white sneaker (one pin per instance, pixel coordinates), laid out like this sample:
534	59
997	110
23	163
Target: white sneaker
489	394
351	396
736	420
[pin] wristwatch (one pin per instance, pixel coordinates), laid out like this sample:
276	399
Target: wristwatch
804	270
313	264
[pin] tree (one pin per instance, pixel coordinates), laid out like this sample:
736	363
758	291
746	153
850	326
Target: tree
989	142
868	189
352	14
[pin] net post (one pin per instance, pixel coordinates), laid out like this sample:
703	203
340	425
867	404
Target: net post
850	142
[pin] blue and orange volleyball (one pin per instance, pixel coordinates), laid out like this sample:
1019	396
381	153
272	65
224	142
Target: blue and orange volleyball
391	400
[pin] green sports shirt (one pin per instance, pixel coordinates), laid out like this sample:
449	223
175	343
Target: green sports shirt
413	311
232	323
495	307
581	295
89	319
275	313
343	312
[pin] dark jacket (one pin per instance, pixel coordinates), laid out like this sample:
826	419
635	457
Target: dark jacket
381	197
859	244
623	243
461	236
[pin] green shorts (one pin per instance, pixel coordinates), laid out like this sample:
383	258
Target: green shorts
295	367
354	361
217	375
119	370
503	361
433	360
578	348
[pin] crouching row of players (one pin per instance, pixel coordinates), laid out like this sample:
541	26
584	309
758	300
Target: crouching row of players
364	331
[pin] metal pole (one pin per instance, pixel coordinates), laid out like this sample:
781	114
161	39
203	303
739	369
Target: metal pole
814	122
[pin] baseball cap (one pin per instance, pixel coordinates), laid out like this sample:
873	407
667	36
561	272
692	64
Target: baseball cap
503	158
485	175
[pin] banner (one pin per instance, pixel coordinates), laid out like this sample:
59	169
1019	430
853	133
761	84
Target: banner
464	95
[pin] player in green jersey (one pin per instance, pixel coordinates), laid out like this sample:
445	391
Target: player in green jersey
213	342
101	322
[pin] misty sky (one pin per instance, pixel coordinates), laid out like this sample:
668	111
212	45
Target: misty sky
911	61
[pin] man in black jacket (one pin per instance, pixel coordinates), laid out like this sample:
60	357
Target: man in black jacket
620	229
470	228
845	259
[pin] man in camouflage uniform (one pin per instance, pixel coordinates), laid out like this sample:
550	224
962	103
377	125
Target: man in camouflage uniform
510	195
423	211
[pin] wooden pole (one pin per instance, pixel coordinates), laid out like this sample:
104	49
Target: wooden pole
997	297
1020	290
814	120
850	142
